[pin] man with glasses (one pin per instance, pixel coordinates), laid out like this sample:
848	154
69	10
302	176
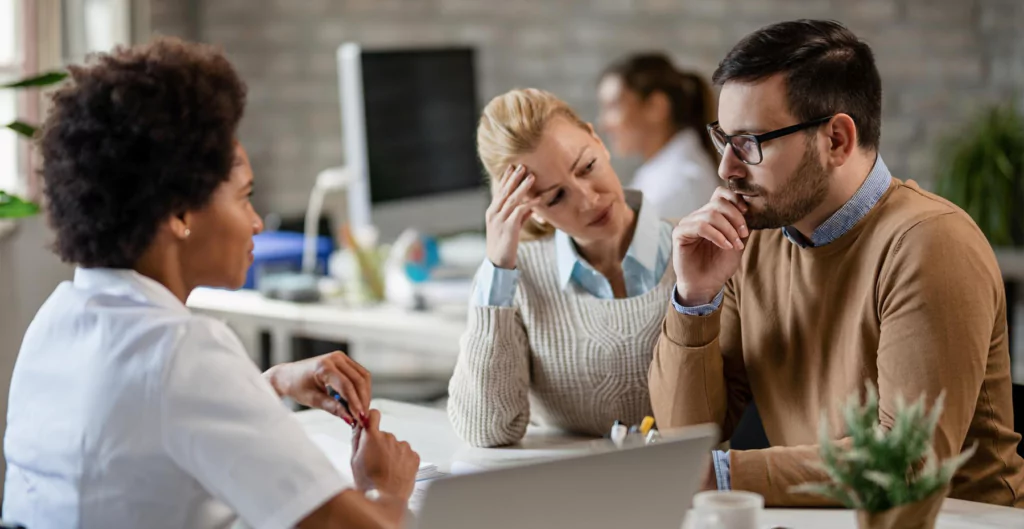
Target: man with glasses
812	269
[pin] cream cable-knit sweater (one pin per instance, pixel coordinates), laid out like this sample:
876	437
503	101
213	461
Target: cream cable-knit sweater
576	361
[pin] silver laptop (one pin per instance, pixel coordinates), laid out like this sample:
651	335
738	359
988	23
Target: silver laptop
649	486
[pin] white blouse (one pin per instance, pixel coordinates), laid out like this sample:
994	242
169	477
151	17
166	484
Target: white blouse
126	410
678	179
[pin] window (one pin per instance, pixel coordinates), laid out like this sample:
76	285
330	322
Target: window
95	25
34	39
11	67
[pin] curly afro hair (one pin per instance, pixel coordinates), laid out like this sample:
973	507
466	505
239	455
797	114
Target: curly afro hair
138	135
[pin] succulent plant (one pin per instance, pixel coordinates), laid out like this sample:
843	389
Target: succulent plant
878	468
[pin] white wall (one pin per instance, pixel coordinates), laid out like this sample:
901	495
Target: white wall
28	273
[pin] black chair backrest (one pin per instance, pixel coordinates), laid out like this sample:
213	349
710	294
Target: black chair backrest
749	433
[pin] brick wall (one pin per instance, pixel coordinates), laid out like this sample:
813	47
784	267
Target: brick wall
174	17
939	59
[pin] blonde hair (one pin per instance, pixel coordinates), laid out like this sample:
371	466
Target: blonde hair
512	124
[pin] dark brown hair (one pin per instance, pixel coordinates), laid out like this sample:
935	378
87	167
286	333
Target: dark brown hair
828	70
138	135
691	102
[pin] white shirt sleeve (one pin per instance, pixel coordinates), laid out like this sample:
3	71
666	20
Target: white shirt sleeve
224	424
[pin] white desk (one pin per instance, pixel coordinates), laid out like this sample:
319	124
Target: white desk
386	338
383	338
430	434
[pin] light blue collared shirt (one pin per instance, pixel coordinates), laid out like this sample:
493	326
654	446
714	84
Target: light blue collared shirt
870	192
642	268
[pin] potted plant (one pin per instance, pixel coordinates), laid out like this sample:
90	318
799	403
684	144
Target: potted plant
982	171
892	477
12	207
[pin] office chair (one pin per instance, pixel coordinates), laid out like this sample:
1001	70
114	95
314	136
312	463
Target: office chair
749	433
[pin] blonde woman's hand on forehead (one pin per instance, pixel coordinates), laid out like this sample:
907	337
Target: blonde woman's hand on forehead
508	212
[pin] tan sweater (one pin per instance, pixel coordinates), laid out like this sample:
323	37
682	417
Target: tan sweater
561	357
910	298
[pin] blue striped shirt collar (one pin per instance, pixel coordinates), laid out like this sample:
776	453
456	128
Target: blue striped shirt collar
842	221
643	250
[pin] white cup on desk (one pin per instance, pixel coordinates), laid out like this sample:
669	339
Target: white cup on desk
727	509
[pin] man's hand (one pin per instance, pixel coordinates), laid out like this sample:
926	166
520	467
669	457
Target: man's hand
706	247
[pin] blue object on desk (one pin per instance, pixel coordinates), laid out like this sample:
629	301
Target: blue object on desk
421	257
281	251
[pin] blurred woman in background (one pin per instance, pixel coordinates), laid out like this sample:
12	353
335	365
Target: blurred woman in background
652	110
569	302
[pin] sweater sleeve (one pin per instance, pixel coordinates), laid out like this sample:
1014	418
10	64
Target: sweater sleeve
697	374
939	299
488	402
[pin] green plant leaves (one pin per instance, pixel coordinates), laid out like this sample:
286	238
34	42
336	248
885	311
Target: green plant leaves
883	468
22	128
982	171
12	207
37	81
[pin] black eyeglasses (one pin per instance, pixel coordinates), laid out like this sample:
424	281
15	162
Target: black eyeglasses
747	147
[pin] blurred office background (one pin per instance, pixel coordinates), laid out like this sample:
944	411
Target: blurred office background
941	62
939	59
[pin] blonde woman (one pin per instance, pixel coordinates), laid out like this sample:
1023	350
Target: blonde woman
569	303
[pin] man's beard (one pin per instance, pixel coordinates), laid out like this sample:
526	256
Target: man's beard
805	190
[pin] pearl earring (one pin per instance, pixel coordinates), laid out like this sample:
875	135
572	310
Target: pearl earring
188	232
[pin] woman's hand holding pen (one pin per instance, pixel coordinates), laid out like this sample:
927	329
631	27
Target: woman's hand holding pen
506	215
382	462
310	382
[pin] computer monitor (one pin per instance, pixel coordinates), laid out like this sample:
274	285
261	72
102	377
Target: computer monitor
409	129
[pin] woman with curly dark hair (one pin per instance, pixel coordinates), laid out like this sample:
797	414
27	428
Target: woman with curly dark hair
126	410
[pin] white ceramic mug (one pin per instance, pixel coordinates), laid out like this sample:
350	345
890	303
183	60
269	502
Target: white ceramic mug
726	509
